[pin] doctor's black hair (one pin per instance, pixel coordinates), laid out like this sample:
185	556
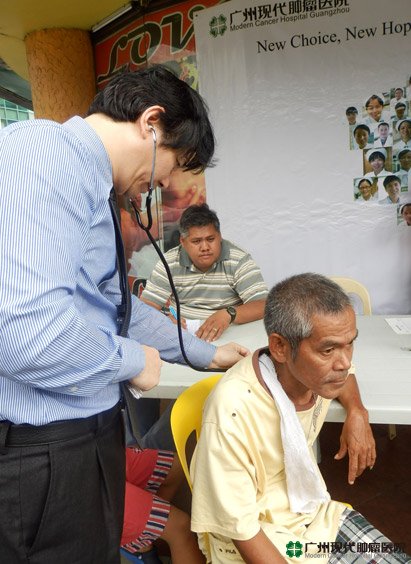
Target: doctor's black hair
184	123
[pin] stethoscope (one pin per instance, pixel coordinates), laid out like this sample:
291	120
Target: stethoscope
146	227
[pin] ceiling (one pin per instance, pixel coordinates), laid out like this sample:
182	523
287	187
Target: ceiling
20	17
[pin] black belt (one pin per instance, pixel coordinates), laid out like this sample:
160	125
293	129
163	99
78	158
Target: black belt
33	435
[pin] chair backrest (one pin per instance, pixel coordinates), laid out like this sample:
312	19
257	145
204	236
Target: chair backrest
187	414
351	286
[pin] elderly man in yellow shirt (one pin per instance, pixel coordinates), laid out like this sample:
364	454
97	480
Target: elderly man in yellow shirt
258	494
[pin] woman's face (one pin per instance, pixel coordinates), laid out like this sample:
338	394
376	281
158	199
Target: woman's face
377	164
374	110
405	131
398	94
365	189
406	214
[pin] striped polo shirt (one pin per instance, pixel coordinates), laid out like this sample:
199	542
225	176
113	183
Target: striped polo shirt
234	279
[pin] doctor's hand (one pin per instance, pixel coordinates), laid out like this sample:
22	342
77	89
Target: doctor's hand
357	439
214	326
149	377
227	355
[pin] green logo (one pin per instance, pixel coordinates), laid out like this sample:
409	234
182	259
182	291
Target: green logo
294	549
218	25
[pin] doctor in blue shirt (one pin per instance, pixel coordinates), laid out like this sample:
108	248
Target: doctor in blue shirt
61	436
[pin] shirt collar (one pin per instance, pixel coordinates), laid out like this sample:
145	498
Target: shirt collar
87	135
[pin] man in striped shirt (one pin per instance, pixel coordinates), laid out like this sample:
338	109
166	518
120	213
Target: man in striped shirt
216	281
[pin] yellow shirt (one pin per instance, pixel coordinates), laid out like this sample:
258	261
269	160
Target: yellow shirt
239	484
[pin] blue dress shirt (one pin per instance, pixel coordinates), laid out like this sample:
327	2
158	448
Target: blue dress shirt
60	356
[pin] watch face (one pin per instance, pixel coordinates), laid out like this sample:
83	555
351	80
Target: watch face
232	311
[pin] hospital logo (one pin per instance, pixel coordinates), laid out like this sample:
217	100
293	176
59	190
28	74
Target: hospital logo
294	549
218	25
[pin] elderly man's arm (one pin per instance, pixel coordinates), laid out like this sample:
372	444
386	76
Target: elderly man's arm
356	438
259	550
215	325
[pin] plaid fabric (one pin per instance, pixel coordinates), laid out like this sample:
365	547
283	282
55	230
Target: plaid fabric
360	543
154	527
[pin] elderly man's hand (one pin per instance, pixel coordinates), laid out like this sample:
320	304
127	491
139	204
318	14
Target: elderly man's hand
228	355
357	439
214	326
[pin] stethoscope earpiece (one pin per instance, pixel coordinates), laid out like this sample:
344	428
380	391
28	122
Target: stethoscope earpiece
153	131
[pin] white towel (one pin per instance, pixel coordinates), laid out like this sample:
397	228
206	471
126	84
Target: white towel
304	485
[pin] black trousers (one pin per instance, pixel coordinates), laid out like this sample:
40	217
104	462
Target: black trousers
62	501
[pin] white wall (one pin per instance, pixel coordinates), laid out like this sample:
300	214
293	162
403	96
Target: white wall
283	187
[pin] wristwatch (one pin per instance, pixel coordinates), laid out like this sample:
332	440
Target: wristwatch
232	312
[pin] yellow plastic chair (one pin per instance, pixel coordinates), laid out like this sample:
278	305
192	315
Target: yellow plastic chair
187	414
351	286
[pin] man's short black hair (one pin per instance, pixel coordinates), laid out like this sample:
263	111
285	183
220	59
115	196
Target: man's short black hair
351	110
390	178
184	123
293	303
198	216
362	126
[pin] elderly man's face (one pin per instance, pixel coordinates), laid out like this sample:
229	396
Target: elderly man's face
361	138
405	161
405	131
323	359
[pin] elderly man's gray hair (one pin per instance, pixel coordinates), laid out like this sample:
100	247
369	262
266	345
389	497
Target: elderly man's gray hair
292	303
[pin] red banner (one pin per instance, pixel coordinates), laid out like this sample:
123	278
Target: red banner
164	36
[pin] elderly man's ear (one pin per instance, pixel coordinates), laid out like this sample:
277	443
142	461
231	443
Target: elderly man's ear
279	348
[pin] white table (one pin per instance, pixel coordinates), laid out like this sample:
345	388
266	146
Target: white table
383	369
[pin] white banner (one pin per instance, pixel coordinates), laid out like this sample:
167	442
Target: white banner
278	79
